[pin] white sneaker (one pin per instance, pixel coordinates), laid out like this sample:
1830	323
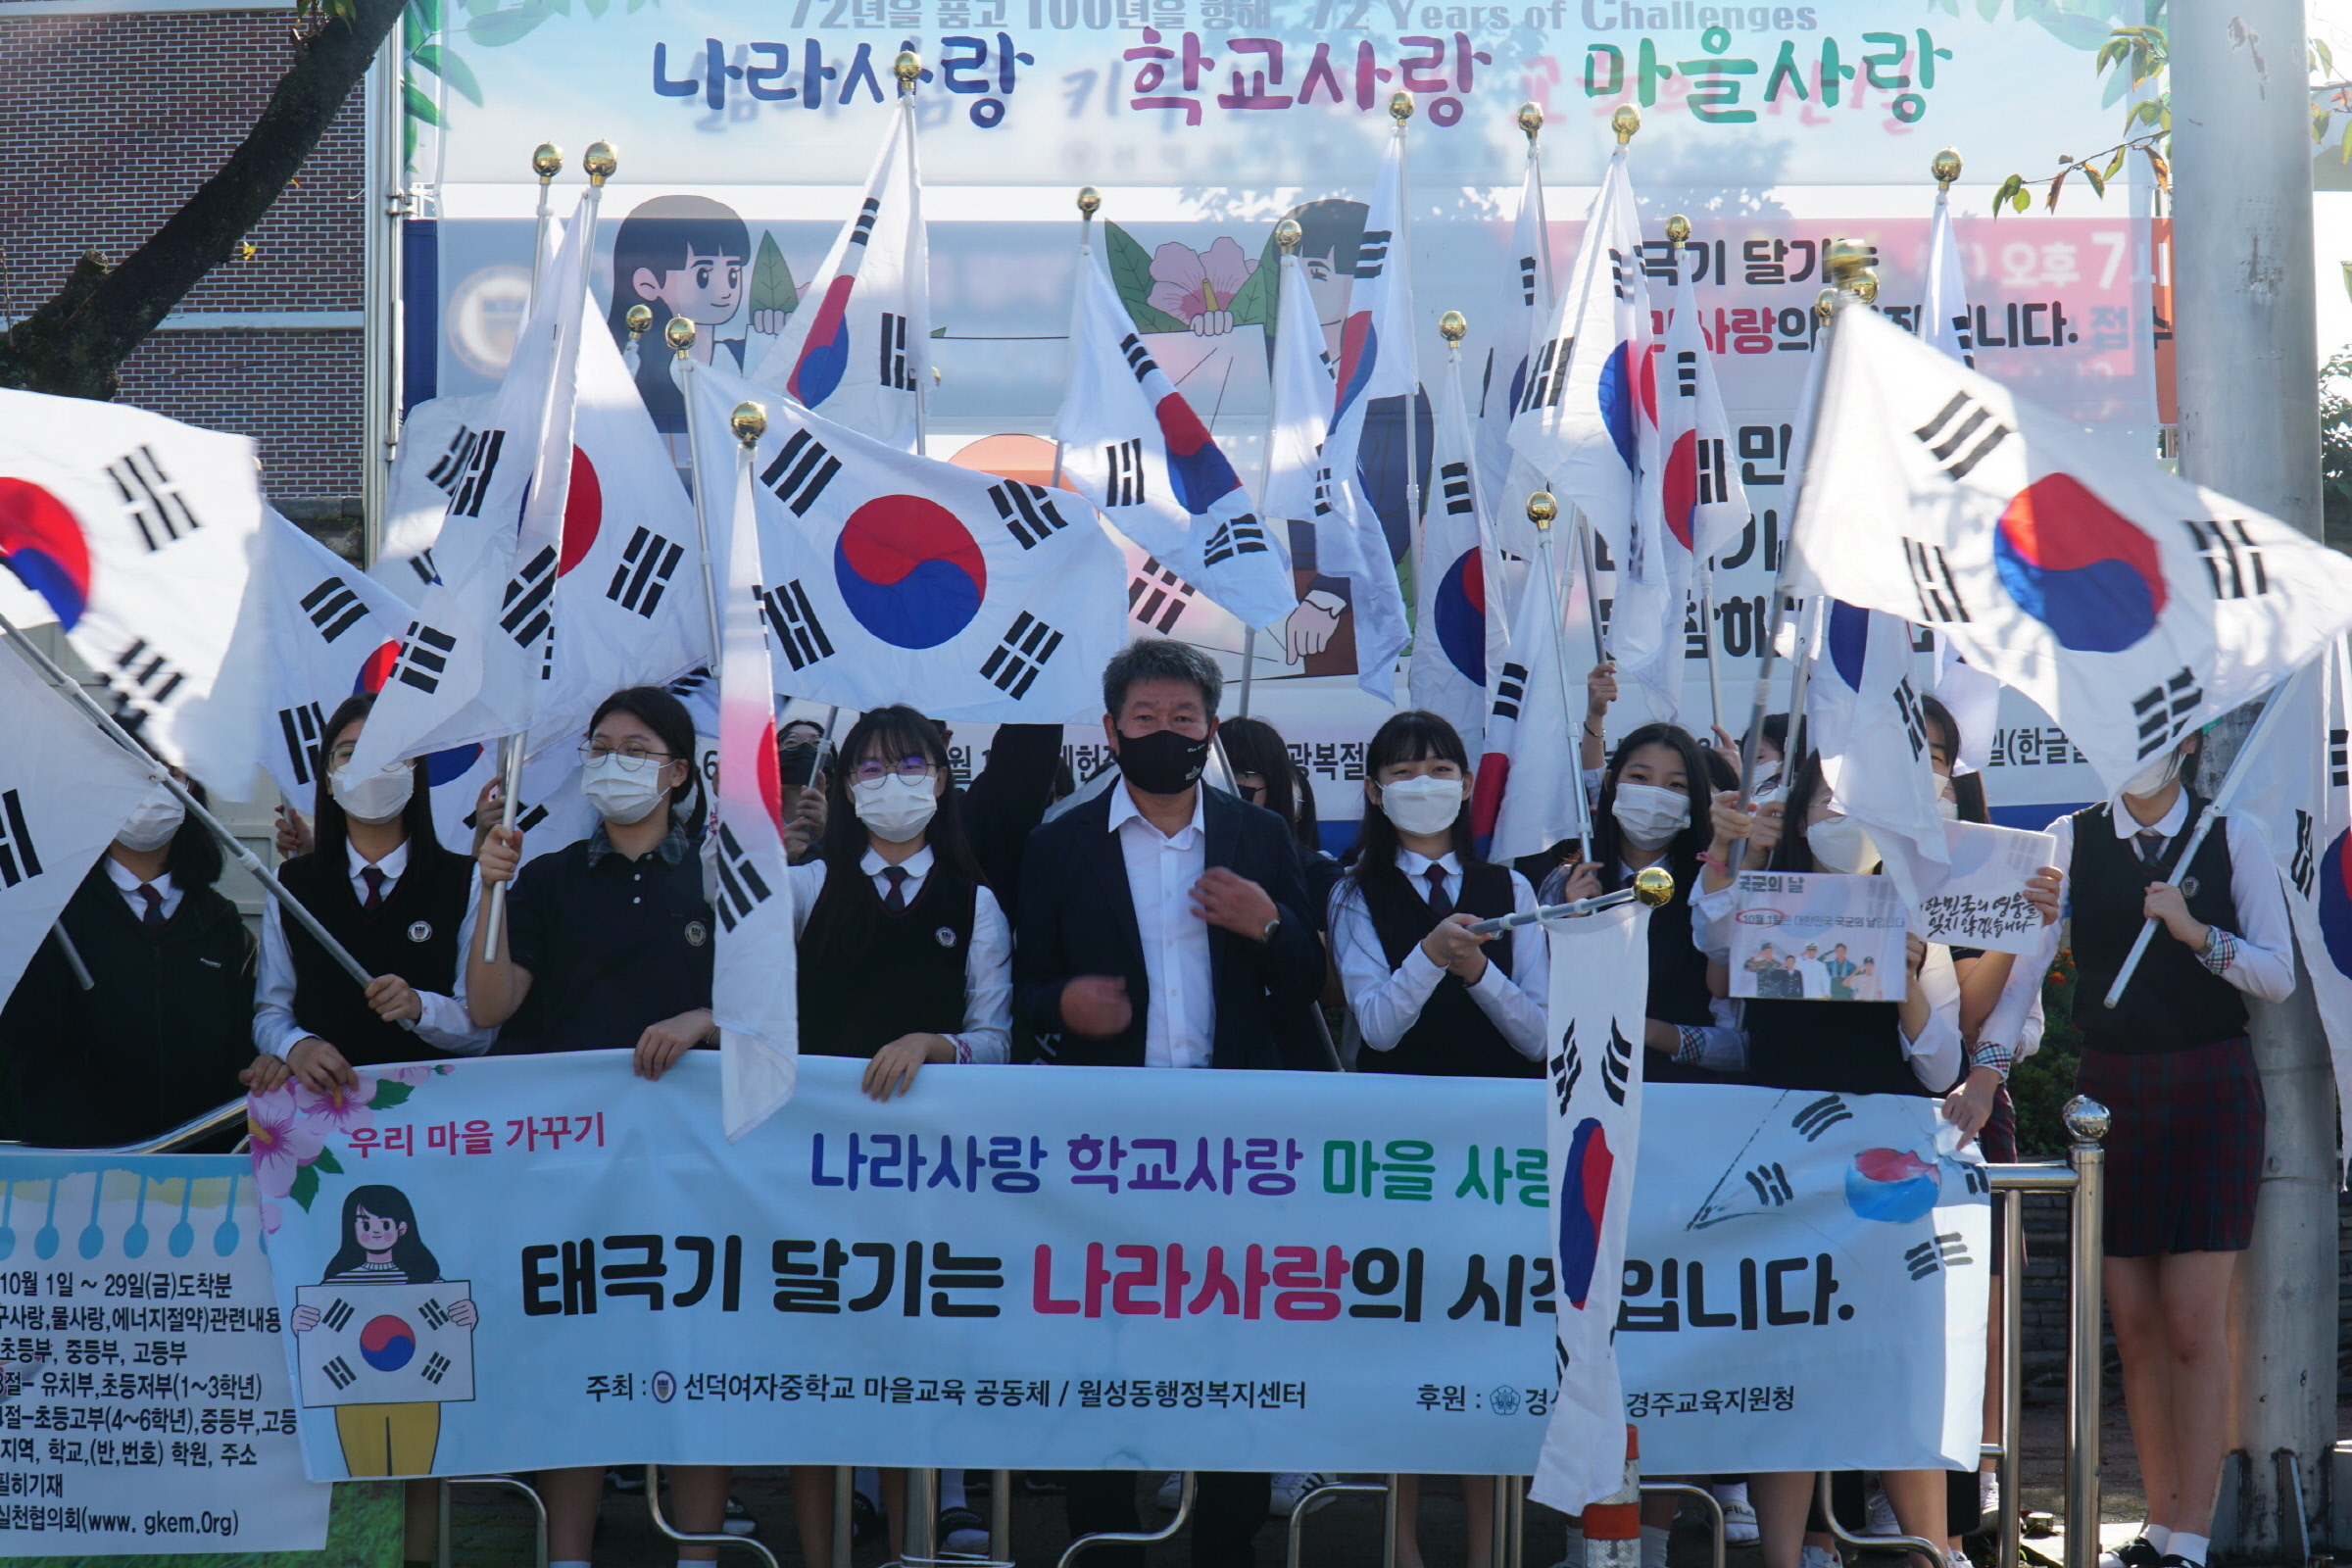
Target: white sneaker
1289	1488
1738	1520
1172	1492
1954	1557
1817	1557
1988	1494
1878	1517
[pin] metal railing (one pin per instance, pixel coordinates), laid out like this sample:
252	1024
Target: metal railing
212	1124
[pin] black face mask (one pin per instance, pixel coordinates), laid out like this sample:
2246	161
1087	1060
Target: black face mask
1162	762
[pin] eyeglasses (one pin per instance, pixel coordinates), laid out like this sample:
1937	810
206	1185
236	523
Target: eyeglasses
873	768
633	753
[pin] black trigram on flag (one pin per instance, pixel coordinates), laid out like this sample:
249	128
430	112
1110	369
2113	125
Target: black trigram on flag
800	472
339	1373
1548	376
422	563
1771	1185
151	498
1372	254
436	1368
300	726
1961	435
1139	359
469	483
2164	711
1617	1068
1323	491
1028	511
334	607
893	371
1819	1116
866	215
1158	598
1567	1069
338	1312
450	467
1931	574
1510	686
142	684
1013	666
2233	559
2336	772
796	625
1243	536
1617	280
1685	373
1915	718
2303	868
1454	489
423	657
644	572
1714	472
523	607
1527	280
741	887
1946	1250
1123	473
19	860
433	1312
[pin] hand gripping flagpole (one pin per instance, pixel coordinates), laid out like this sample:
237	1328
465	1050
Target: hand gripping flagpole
73	691
601	162
1542	510
1652	888
2215	809
547	162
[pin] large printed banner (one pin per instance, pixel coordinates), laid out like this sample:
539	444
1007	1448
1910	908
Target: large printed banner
512	1263
144	1402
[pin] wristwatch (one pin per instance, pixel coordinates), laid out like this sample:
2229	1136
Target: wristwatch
1272	927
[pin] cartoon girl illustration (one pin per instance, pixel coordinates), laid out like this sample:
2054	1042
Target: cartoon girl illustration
681	256
381	1246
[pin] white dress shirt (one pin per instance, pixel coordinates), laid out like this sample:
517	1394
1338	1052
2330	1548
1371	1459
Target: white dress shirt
1388	1002
445	1023
127	883
986	1032
2262	964
1180	1016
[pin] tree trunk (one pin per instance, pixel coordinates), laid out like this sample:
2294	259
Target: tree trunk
74	345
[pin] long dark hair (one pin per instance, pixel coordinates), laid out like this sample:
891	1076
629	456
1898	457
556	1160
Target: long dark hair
666	717
330	829
1412	736
1684	847
192	860
410	1254
1794	853
1253	745
1968	789
896	731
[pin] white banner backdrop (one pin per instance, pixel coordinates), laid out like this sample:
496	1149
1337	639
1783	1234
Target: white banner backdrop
144	1402
1186	1271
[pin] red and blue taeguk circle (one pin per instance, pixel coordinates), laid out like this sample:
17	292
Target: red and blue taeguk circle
387	1342
42	543
1461	617
440	768
1583	1205
1196	466
1892	1185
825	352
2335	902
909	571
2078	566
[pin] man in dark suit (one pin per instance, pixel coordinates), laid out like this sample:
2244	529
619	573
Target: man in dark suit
1164	924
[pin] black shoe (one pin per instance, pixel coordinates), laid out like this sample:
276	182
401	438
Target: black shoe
962	1533
629	1481
865	1520
739	1520
2173	1559
2137	1552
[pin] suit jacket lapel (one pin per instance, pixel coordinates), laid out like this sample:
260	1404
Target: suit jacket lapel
1111	870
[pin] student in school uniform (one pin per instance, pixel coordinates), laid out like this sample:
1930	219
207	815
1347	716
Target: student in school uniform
905	960
608	946
378	880
1430	995
2173	1062
159	1035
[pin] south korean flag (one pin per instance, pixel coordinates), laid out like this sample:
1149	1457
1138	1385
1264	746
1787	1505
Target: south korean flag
892	578
371	1344
1133	446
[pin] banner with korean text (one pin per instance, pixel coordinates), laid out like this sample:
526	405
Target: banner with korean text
514	1263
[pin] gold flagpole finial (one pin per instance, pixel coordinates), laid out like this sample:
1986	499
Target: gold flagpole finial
600	162
1453	326
1825	305
679	335
1531	120
1288	234
1849	267
548	162
1625	121
908	69
749	422
1400	107
1090	201
1945	168
1653	887
1678	229
1542	510
638	318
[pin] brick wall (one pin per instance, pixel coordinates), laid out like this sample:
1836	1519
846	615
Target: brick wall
110	123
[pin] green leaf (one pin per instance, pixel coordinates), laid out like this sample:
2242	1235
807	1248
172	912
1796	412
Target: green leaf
419	106
1989	10
389	1092
2023	200
771	278
413	31
498	28
445	63
1255	300
2009	191
2075	31
427	12
305	1188
596	7
1131	273
2098	181
327	1162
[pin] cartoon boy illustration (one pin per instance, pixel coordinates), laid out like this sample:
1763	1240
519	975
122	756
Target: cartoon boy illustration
681	256
380	1247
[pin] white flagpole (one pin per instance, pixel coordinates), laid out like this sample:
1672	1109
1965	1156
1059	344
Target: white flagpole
1584	563
547	162
1542	510
2215	809
600	164
73	691
1531	121
1400	266
908	69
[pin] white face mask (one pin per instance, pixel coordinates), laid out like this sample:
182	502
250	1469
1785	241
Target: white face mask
1648	815
376	796
2153	777
893	809
1842	844
152	826
1424	807
1947	808
622	790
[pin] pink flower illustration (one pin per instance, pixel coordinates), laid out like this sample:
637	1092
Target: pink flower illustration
340	1108
1186	283
272	1218
414	1075
282	1141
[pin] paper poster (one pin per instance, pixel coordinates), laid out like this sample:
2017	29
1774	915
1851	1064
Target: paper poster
1982	903
1817	937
